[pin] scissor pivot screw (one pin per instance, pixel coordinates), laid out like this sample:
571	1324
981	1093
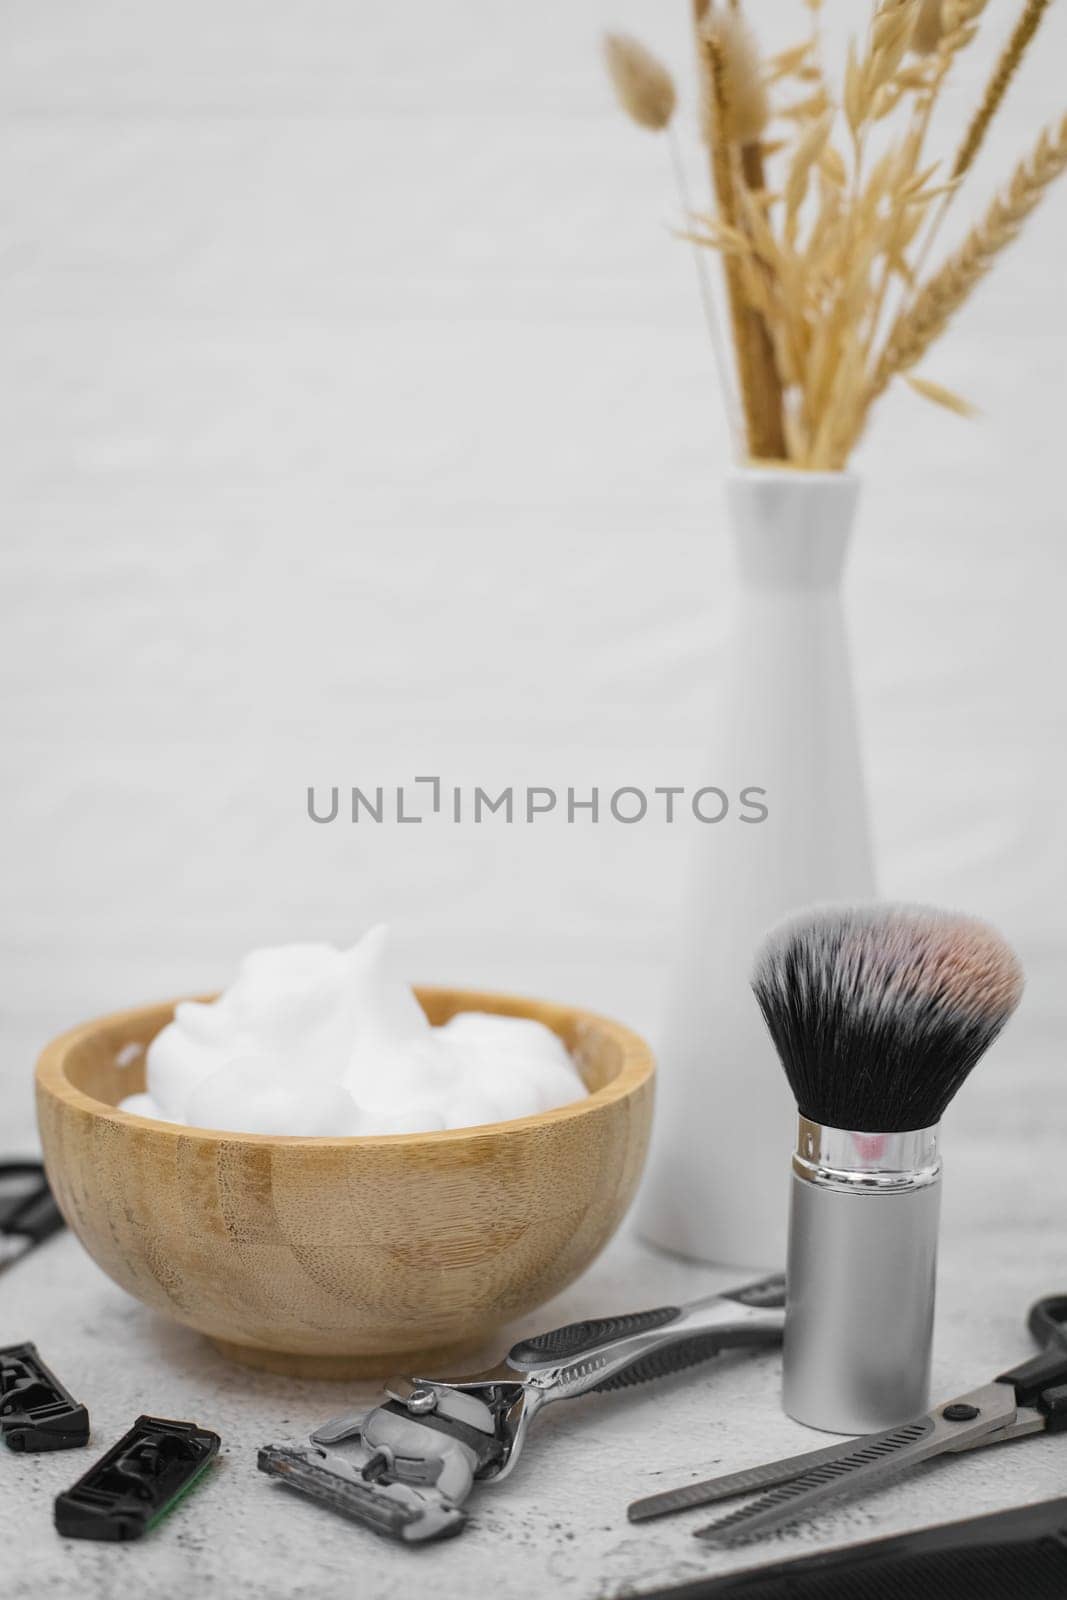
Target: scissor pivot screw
960	1413
421	1401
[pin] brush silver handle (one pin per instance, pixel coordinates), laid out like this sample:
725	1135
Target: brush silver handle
861	1277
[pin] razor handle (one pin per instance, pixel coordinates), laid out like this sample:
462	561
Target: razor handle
607	1353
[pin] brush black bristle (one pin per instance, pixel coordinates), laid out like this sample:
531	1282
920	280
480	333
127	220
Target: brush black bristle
879	1012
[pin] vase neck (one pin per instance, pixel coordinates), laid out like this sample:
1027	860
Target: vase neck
791	529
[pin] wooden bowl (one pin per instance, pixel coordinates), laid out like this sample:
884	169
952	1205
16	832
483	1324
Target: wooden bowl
344	1257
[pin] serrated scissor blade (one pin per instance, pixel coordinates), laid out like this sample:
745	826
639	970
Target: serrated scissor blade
728	1485
866	1461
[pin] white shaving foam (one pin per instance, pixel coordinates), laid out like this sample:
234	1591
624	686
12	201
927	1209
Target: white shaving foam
317	1041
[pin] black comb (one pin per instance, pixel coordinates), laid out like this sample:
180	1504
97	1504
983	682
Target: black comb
1005	1556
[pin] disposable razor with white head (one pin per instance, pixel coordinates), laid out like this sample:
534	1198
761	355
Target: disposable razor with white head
406	1468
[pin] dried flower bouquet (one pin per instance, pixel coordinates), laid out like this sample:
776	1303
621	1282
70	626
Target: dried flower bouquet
825	232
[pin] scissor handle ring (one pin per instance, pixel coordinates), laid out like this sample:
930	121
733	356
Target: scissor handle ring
1048	1320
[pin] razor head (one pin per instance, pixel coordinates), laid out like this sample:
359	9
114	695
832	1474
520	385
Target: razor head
408	1512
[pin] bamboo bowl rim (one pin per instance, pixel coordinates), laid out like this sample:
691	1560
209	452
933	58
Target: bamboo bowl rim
636	1067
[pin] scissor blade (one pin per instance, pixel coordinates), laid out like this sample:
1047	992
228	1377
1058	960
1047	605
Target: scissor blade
866	1461
729	1485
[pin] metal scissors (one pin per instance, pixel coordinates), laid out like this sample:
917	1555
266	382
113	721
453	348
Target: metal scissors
1031	1398
28	1212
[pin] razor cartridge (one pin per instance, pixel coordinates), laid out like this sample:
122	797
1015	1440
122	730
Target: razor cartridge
398	1473
137	1482
405	1511
36	1411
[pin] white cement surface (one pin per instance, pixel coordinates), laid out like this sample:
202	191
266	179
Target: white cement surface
558	1526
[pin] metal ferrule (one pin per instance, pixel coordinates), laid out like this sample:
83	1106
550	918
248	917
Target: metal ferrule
861	1276
866	1162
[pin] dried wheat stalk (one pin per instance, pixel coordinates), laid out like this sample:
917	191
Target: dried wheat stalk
735	113
717	113
920	323
1006	68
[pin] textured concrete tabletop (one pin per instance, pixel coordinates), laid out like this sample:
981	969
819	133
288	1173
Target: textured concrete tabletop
559	1525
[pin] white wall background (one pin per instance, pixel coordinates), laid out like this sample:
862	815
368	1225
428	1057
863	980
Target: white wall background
358	423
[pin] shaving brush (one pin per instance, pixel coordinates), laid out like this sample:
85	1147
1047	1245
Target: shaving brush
878	1013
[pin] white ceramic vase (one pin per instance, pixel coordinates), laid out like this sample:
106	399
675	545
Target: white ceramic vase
718	1178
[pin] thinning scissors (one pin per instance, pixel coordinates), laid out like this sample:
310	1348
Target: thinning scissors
1030	1399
